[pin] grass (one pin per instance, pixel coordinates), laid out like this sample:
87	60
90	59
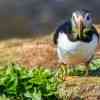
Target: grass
12	50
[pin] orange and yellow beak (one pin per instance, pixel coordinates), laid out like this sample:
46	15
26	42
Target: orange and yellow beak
80	24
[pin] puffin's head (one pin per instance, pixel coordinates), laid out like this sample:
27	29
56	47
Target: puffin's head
81	19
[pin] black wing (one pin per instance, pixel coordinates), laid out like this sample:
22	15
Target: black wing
65	27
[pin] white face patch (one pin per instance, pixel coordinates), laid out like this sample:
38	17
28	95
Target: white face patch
75	16
86	18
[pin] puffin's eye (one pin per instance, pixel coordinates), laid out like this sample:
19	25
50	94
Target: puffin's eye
88	18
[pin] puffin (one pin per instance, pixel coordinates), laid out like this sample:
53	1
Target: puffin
76	39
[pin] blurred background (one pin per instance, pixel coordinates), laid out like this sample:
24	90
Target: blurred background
26	18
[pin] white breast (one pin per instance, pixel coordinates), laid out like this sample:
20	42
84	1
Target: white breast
73	51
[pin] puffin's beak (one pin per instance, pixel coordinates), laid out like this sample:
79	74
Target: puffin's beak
80	24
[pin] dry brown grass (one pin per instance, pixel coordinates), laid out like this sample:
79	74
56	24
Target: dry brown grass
87	88
38	53
30	52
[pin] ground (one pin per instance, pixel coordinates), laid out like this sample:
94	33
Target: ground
41	51
30	52
84	88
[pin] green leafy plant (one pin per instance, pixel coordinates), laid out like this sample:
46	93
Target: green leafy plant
19	83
